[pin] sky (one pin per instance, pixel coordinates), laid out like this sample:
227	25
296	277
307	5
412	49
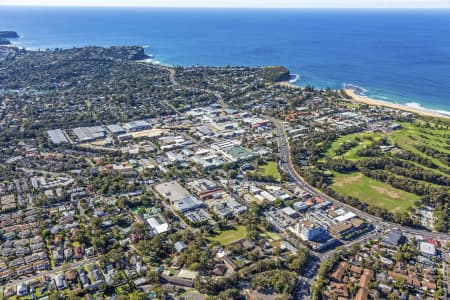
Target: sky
241	3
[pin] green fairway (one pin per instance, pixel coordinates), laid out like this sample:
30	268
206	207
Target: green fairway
407	138
270	169
373	192
229	236
365	138
411	135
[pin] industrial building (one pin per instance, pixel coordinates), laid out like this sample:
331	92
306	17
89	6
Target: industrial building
137	125
89	134
115	129
57	136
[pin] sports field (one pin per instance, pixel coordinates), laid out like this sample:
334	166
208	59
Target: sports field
229	236
373	192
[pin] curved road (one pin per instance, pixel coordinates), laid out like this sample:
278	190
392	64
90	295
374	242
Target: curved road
285	154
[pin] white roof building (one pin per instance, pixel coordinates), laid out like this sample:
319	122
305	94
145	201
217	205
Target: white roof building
289	211
268	196
345	217
57	136
427	248
157	225
137	125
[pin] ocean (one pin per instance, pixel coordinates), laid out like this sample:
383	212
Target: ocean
394	55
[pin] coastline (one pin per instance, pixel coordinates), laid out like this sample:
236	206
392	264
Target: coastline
287	84
353	93
366	100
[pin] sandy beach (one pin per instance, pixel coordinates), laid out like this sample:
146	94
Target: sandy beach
288	84
370	101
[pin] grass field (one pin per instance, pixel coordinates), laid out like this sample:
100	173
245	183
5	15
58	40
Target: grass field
406	138
270	169
366	139
373	192
229	236
410	138
411	135
272	235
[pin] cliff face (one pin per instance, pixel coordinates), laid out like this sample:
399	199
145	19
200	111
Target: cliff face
276	73
115	52
138	54
8	35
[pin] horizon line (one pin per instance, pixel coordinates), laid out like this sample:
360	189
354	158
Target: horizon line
228	7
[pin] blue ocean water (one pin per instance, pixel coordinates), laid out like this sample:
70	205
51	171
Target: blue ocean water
398	56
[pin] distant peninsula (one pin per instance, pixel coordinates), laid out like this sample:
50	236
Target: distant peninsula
8	35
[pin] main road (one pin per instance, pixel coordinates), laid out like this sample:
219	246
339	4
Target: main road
287	165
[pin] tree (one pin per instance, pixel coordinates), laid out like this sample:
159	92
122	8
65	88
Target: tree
153	277
253	235
138	228
297	261
136	295
351	288
230	294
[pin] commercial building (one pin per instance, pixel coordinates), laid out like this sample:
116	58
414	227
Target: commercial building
427	249
237	154
171	191
89	134
394	238
290	212
57	136
197	215
255	122
300	206
342	229
204	188
229	207
224	145
308	231
157	224
187	203
137	125
345	217
115	129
